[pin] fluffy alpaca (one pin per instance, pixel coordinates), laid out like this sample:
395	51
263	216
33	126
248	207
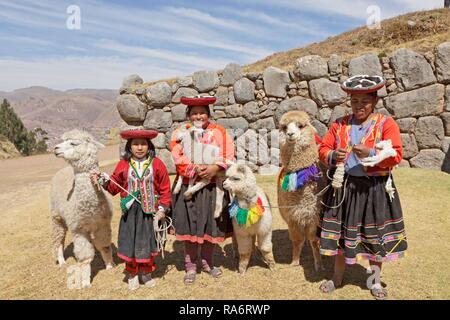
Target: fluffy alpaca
199	153
76	204
298	150
241	183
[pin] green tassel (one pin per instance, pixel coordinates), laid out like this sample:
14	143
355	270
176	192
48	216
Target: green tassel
241	217
124	201
285	183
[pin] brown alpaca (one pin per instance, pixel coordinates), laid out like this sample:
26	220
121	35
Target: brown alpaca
298	150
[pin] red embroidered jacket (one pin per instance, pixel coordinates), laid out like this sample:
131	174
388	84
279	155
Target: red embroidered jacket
214	134
123	174
382	128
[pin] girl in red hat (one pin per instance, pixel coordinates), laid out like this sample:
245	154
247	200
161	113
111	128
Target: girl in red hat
144	186
362	216
193	219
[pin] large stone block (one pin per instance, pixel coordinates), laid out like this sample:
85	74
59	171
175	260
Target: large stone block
234	123
407	125
443	62
446	119
310	67
131	81
297	103
366	64
244	90
335	65
410	148
429	159
185	81
183	92
222	96
205	81
179	112
130	108
233	111
231	74
320	127
267	123
421	102
339	112
412	70
250	111
160	142
167	159
159	94
429	132
158	120
275	82
326	92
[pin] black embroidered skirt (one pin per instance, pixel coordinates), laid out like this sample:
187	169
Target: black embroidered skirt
136	241
366	226
194	221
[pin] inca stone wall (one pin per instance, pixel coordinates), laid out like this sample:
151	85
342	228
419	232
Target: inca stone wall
417	96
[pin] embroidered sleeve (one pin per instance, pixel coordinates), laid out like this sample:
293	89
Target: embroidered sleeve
118	177
162	184
328	144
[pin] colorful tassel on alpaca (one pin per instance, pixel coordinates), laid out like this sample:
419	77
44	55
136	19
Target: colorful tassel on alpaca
294	181
246	217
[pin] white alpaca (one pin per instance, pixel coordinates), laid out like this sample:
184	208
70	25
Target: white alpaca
76	204
241	183
386	151
300	207
199	153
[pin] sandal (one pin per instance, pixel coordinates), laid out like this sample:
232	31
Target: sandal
189	277
379	292
327	286
214	272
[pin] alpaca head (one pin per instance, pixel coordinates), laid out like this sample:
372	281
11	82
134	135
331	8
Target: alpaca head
78	148
240	180
295	128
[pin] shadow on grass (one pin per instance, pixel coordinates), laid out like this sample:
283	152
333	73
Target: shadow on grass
97	264
282	251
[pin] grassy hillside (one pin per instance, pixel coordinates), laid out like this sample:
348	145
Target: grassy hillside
420	31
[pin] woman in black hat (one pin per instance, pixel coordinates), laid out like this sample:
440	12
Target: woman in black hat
362	216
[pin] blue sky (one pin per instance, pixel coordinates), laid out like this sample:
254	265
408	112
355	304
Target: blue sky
163	39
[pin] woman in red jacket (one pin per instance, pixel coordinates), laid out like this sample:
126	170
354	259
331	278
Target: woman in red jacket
147	198
193	218
363	218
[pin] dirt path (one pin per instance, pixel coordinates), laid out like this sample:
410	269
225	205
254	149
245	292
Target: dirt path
16	173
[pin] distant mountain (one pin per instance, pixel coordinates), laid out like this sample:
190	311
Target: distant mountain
59	111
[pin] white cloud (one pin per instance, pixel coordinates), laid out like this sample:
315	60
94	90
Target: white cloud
193	60
77	72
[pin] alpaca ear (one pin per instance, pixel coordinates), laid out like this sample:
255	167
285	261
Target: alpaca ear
241	169
98	144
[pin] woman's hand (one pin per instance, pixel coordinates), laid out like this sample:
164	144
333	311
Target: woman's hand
339	154
159	215
209	171
361	150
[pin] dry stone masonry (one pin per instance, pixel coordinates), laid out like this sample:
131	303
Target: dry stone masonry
250	105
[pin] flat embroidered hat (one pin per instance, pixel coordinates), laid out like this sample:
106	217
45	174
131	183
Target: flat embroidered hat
363	84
